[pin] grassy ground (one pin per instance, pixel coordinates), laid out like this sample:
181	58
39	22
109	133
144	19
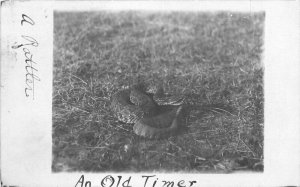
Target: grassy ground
217	56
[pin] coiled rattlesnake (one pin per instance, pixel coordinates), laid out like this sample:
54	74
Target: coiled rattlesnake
138	106
154	113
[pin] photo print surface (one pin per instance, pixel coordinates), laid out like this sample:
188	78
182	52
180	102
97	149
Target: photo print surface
164	91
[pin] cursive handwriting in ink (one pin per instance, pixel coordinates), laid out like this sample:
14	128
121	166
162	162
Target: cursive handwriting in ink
30	64
31	41
125	181
27	20
81	181
30	73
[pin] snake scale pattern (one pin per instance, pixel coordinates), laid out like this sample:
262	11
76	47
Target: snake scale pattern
143	108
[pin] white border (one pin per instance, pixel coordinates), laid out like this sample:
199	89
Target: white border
26	125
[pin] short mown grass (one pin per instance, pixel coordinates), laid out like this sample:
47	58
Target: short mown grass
215	55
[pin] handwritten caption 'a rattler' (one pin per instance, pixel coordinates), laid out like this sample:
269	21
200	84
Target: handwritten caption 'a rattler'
30	65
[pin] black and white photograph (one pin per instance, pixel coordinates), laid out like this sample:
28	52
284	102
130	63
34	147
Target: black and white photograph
158	91
150	93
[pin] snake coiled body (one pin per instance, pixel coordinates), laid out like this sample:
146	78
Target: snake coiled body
136	106
156	114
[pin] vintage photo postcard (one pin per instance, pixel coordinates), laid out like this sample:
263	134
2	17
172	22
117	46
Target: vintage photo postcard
150	93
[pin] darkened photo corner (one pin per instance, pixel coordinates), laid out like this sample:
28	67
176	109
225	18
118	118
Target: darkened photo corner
142	91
